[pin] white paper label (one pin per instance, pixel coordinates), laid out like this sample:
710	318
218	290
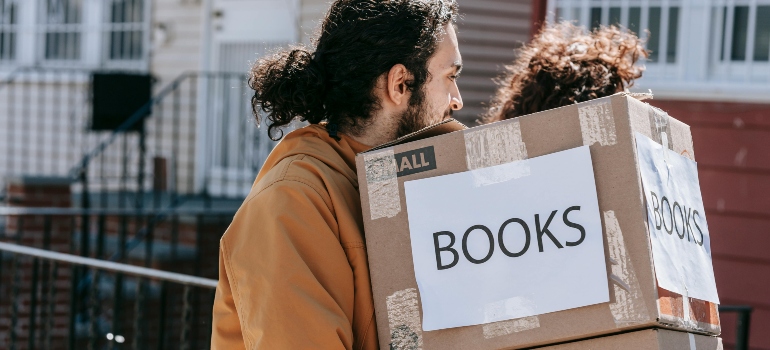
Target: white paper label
681	248
550	258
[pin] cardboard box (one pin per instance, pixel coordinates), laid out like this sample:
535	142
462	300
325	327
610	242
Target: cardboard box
648	339
607	127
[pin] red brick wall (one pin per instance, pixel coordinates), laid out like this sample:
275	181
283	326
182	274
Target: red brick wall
732	147
51	310
37	192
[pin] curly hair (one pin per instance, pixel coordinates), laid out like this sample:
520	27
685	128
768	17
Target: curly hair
564	65
359	41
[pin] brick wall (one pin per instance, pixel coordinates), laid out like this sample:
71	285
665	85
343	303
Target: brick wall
20	276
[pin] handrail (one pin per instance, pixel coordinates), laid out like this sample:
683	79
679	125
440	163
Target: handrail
13	75
135	117
110	266
139	115
4	210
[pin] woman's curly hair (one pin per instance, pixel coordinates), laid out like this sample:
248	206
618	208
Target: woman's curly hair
359	41
564	65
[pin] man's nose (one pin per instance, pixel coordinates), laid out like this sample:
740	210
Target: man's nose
457	100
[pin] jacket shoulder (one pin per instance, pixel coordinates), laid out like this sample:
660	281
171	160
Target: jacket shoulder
291	173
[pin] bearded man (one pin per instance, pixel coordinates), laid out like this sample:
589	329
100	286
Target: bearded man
293	271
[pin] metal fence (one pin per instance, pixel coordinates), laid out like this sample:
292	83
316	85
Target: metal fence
199	139
104	279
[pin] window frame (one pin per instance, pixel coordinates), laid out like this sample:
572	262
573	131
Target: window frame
585	7
95	29
723	66
9	31
144	26
658	69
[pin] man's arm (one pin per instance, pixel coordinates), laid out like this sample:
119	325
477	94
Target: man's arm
285	280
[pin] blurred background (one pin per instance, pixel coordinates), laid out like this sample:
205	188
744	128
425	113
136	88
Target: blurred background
126	136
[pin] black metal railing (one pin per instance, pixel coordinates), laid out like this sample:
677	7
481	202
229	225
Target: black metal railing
199	139
43	117
742	324
165	164
93	298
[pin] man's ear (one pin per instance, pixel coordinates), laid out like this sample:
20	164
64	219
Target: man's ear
397	80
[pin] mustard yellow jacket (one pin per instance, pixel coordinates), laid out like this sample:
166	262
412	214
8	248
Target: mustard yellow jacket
293	272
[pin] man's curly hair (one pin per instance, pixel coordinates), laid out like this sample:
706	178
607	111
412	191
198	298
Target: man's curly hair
359	41
564	65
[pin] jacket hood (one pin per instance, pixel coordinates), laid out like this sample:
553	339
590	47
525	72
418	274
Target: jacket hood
314	141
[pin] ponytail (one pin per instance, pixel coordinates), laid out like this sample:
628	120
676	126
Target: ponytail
287	85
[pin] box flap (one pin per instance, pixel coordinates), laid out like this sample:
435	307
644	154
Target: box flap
444	127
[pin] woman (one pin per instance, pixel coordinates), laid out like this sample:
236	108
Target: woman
563	65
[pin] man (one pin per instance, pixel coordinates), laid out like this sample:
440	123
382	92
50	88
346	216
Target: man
564	65
293	266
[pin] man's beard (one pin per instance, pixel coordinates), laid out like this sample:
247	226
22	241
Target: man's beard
416	117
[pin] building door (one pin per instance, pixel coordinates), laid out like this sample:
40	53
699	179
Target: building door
241	31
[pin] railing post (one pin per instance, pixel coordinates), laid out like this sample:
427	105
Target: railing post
78	273
742	331
15	281
139	204
162	317
85	203
51	296
742	324
33	304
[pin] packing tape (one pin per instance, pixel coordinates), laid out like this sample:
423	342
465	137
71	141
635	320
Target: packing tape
692	341
498	329
641	96
629	307
496	145
382	184
507	308
404	320
597	123
501	173
660	118
688	318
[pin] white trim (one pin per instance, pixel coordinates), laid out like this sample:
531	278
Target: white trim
201	105
750	34
550	12
698	70
689	90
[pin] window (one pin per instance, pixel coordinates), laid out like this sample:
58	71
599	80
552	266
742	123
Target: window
62	21
88	34
8	20
745	32
657	21
125	30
